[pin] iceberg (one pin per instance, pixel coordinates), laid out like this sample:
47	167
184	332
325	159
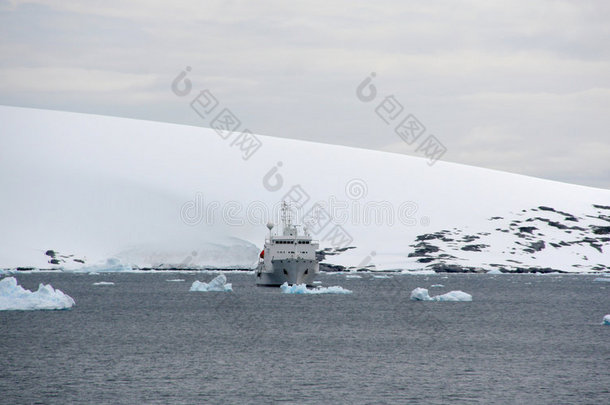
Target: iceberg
421	294
219	283
494	271
14	297
437	286
382	276
175	280
606	320
110	266
104	283
302	289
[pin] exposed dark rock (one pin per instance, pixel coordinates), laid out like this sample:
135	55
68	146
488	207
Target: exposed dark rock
79	260
593	243
452	268
527	229
474	248
469	238
555	224
569	217
50	253
536	270
494	218
602	207
321	254
601	230
429	236
538	246
54	261
331	267
422	249
425	259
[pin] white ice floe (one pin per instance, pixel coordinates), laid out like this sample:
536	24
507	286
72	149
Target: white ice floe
382	276
353	276
494	271
317	282
176	280
15	297
602	279
302	289
606	320
104	283
421	294
437	286
219	283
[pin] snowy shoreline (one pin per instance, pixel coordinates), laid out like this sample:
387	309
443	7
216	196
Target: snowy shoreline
464	270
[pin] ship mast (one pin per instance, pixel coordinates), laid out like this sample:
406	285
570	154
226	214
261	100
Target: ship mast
288	228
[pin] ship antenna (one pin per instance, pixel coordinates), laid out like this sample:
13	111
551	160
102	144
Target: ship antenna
286	217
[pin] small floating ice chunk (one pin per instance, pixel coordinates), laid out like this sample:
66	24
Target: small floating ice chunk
494	271
421	294
104	283
317	282
353	276
14	297
381	276
302	289
436	286
219	283
176	280
602	279
606	320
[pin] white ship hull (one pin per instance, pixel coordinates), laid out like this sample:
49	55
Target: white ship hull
291	271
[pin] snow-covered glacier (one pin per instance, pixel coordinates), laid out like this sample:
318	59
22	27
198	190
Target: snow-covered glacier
159	195
14	297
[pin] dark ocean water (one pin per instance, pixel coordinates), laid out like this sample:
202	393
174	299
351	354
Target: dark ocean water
524	339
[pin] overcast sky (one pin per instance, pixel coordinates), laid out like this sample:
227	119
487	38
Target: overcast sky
522	86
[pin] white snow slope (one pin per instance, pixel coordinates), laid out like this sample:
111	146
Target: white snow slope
163	195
